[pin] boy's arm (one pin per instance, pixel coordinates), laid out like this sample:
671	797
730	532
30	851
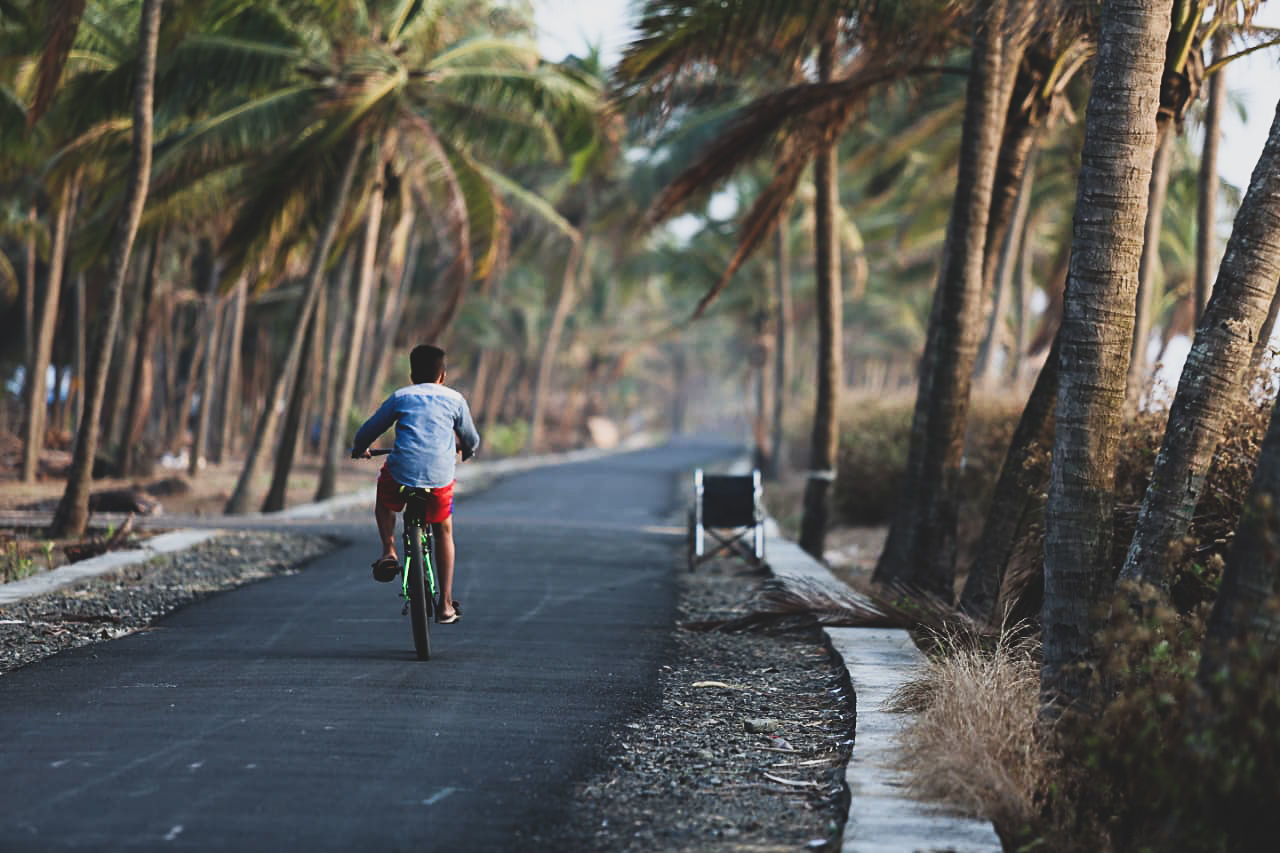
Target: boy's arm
369	431
465	428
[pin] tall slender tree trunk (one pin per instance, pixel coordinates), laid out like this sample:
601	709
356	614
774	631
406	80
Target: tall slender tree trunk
1022	343
921	548
36	385
1213	382
31	255
209	371
139	387
1262	346
346	390
1207	197
239	501
1149	274
229	406
1022	477
115	402
551	343
1097	335
291	430
782	349
507	363
389	327
825	441
988	369
79	348
72	514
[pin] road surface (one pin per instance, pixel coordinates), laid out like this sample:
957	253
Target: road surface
291	714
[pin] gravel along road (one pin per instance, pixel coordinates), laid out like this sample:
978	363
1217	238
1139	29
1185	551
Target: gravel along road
129	599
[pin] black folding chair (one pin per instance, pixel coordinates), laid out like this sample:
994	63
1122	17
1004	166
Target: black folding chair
728	509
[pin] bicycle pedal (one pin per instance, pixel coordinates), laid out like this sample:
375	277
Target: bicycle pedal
404	611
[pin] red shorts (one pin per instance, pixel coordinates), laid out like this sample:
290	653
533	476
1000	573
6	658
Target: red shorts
439	501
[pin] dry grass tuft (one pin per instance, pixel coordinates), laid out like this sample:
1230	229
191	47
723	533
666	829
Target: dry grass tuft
973	741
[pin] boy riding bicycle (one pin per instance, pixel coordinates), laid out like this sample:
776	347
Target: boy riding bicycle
433	425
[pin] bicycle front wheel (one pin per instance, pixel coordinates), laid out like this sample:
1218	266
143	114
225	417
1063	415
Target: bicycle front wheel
419	608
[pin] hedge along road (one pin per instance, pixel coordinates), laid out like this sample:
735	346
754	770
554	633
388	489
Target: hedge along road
291	714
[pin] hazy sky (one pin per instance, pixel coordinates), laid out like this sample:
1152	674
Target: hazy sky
567	26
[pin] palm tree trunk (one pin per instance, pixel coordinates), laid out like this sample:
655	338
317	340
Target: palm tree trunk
782	358
1262	347
921	548
139	390
507	363
551	343
29	294
825	442
1097	335
229	407
36	385
239	501
1007	260
213	331
1207	197
1022	477
389	327
291	430
72	514
116	402
1018	358
1213	382
79	354
1148	273
346	390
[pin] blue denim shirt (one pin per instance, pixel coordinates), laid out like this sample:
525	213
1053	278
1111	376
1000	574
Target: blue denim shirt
432	422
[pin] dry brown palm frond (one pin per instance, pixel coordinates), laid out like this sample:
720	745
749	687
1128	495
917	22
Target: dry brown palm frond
763	125
783	604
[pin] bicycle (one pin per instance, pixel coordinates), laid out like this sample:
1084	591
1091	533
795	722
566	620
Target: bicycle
419	585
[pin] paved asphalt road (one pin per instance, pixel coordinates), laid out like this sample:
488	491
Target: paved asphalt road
291	714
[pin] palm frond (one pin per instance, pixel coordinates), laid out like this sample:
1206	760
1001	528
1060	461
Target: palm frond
62	20
762	125
530	200
785	603
9	286
770	206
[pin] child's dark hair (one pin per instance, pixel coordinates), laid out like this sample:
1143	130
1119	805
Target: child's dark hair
426	363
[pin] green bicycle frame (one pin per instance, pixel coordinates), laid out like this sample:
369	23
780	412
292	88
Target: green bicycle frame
427	569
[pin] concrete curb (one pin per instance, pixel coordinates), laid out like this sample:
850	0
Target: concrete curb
882	816
476	475
59	577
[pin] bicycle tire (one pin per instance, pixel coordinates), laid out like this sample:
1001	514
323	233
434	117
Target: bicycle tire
435	595
419	604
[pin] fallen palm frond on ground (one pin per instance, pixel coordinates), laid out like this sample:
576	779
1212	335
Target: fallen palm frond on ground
784	604
972	740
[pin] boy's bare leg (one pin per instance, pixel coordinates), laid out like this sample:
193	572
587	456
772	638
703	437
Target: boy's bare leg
444	562
386	520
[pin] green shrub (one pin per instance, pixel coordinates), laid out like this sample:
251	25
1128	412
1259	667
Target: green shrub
506	439
1163	764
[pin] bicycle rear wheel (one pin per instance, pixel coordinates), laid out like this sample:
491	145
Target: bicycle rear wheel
419	604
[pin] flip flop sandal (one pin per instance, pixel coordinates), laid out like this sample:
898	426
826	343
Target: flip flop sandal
385	569
457	614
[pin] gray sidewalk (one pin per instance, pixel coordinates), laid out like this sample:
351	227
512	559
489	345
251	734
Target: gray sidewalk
883	817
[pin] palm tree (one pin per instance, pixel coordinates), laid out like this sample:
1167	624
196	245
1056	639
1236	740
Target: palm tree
72	514
1213	380
1096	333
920	549
441	106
